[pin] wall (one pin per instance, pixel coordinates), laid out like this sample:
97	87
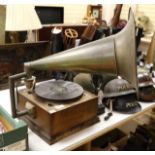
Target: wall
147	10
108	11
2	24
73	13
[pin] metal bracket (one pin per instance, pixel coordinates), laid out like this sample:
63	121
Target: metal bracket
13	94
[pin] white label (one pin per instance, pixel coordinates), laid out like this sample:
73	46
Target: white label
59	106
52	111
18	146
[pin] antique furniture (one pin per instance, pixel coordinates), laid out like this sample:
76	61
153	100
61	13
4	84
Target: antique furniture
12	57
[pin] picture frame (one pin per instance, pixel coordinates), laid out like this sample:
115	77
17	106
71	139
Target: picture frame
95	11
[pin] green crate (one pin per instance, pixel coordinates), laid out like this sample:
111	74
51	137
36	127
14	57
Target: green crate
17	138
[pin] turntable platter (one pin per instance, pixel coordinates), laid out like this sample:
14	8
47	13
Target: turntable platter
59	90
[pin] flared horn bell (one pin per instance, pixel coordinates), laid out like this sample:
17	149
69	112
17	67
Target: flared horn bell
125	50
115	54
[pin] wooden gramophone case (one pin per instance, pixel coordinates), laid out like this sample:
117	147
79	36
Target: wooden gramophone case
52	120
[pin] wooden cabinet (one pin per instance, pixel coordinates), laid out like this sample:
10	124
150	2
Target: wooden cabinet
12	57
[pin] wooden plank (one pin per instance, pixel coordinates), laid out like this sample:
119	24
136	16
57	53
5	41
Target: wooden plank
5	123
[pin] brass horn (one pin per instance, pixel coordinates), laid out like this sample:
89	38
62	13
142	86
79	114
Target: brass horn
114	54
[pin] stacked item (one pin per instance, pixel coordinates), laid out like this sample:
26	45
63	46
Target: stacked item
143	139
13	133
106	142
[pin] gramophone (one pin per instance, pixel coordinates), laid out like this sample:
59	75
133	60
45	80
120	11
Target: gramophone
54	108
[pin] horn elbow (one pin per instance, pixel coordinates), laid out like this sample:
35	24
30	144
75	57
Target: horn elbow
27	68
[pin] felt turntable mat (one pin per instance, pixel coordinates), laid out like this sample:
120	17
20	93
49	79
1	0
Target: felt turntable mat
59	90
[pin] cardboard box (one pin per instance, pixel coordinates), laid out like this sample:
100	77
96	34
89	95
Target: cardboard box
15	136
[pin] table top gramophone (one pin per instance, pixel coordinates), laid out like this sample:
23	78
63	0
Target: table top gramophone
55	108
